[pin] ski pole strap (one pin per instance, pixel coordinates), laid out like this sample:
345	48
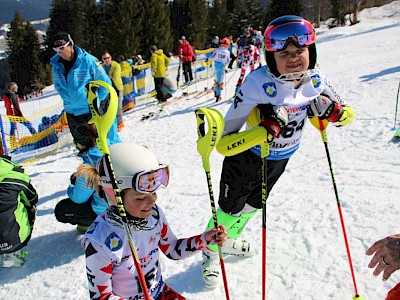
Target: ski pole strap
207	141
103	123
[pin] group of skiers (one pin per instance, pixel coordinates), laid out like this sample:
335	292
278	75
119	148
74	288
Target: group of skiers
275	100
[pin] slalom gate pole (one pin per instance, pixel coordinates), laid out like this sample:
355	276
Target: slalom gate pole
205	144
3	137
321	126
397	103
264	154
103	125
232	76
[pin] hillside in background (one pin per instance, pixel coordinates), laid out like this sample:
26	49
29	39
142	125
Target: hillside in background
29	9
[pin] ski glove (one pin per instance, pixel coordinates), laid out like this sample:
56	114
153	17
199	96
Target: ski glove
325	109
346	118
275	118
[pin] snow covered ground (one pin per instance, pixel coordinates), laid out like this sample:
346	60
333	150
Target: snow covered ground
306	257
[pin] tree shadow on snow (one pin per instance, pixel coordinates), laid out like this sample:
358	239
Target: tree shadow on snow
45	252
381	73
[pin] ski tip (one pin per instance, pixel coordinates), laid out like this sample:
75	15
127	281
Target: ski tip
358	297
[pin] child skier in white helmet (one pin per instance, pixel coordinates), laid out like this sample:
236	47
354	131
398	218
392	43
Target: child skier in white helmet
109	262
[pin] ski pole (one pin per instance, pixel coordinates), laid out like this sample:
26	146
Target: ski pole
103	125
264	154
179	73
321	126
205	144
397	103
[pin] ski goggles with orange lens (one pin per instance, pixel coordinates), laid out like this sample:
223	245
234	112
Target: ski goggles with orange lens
301	34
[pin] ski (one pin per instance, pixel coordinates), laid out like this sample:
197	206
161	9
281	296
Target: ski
205	92
183	97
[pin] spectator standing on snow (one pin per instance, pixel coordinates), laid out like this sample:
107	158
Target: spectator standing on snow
221	57
113	70
185	53
73	68
11	102
159	63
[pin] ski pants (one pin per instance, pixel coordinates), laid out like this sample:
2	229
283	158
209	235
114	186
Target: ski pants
241	180
233	58
119	111
158	83
187	71
219	75
67	211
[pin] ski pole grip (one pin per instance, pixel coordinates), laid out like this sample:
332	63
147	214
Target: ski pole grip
103	123
321	125
207	141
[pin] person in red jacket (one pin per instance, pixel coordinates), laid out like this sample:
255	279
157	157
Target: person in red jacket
11	102
185	52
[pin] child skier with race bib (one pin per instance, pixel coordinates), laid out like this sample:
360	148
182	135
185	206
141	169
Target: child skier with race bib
275	101
109	263
221	56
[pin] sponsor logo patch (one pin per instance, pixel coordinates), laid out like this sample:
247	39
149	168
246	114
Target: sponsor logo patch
270	89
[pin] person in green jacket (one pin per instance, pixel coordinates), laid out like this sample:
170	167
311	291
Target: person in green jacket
18	201
113	70
159	63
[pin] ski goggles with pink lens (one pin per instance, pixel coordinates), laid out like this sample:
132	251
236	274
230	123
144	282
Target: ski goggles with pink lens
300	33
146	182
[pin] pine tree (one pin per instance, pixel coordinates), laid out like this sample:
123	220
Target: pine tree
23	53
5	77
197	27
121	23
278	8
14	40
179	20
338	11
156	27
217	19
92	29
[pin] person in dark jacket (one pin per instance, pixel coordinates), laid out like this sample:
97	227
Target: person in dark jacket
18	200
11	102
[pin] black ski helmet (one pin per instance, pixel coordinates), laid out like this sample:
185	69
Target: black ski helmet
269	55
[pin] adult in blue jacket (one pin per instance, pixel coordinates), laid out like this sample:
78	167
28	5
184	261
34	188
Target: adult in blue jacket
73	68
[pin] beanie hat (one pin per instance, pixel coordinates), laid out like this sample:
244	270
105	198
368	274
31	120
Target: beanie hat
61	39
183	38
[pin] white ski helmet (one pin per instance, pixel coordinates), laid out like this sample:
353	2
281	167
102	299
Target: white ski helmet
134	167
